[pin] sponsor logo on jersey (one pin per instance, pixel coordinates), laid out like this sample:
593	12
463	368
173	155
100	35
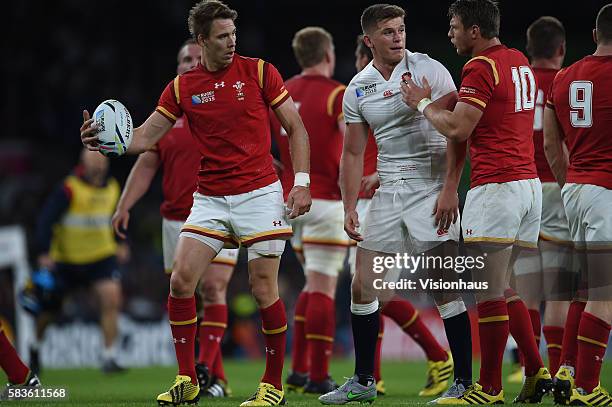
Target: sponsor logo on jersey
366	90
388	93
219	85
468	90
202	98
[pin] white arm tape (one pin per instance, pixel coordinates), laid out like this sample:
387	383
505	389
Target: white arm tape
423	103
302	179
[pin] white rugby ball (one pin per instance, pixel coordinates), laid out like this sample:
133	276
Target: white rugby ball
115	128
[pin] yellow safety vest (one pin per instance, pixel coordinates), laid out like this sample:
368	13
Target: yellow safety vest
84	234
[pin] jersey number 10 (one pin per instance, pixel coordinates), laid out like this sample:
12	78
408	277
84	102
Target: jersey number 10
524	92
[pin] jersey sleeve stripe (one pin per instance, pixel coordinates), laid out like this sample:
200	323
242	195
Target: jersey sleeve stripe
166	113
279	98
332	98
491	62
340	116
176	90
260	72
472	101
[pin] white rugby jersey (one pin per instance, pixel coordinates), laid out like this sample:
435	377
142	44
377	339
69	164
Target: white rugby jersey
408	145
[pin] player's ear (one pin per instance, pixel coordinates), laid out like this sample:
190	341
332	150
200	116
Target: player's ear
561	50
475	31
201	40
367	41
595	35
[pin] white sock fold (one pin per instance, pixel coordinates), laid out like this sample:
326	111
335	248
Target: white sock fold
364	309
451	309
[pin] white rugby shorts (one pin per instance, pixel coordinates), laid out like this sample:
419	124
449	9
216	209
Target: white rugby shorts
241	219
171	229
554	226
589	214
400	219
505	213
320	236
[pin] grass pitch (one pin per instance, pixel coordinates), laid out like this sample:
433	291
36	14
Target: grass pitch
139	387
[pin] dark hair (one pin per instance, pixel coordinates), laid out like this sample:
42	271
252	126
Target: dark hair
372	15
544	37
310	45
483	13
603	24
363	49
204	13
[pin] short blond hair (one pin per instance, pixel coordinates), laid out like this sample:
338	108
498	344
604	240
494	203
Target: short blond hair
310	45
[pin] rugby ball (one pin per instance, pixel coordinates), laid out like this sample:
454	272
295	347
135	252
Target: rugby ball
114	125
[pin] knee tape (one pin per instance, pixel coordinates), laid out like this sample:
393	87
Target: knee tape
266	248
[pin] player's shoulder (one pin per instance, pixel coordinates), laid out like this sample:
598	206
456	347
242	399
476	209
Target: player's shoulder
333	86
193	72
253	64
248	61
568	72
589	65
365	77
423	62
419	57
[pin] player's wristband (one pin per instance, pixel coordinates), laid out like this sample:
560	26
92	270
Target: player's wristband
302	179
423	104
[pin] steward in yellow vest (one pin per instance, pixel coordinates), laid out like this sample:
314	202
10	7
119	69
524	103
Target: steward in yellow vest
77	246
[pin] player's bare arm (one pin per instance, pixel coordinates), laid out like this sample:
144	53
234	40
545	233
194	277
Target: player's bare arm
555	148
136	186
446	209
351	173
456	125
145	136
298	200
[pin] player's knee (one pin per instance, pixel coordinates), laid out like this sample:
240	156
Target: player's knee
180	283
213	291
267	249
263	287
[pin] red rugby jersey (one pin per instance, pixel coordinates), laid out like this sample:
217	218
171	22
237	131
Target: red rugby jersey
180	160
370	156
319	101
582	98
544	78
501	83
227	111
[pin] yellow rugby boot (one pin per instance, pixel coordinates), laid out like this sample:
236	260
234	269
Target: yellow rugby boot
266	395
438	374
181	392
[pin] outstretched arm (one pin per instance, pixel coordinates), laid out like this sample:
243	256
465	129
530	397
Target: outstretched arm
137	184
145	136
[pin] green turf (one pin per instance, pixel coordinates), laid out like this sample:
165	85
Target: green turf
139	387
